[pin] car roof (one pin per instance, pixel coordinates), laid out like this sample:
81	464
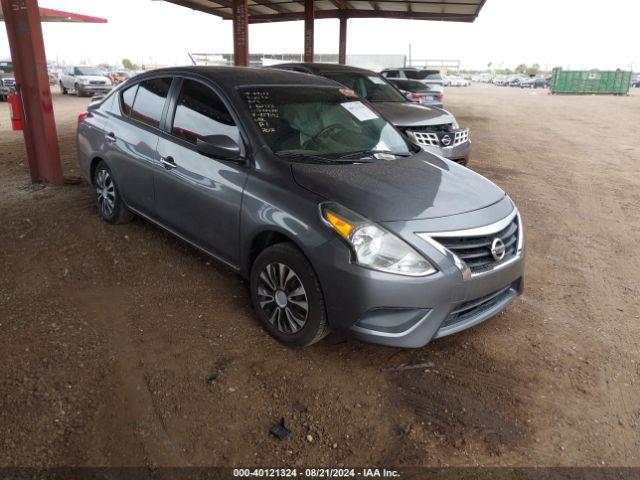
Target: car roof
232	77
321	68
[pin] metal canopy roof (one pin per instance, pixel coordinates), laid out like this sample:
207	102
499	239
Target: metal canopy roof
286	10
50	15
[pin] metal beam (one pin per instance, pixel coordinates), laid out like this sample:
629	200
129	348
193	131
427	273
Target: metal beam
22	20
342	44
240	33
308	30
287	17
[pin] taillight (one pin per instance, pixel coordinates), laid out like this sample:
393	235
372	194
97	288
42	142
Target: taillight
439	96
83	116
415	97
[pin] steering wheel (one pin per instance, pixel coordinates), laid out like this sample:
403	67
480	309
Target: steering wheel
332	130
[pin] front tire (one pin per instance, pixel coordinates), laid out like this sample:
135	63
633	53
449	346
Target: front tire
108	199
287	297
64	90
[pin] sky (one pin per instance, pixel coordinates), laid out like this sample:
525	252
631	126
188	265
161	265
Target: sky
569	33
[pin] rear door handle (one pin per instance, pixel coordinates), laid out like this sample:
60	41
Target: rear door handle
168	163
111	137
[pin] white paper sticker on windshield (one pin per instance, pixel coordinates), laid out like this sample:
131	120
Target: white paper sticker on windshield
377	80
360	111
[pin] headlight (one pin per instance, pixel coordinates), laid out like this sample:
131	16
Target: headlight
455	124
83	81
373	246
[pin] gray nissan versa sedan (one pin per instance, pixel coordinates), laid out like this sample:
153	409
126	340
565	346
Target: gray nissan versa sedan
434	129
336	218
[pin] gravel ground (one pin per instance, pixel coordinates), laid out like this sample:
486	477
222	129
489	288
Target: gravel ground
121	346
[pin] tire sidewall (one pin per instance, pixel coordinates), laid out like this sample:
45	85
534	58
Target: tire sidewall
291	256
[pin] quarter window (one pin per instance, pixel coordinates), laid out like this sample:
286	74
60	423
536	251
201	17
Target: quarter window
150	100
200	112
127	99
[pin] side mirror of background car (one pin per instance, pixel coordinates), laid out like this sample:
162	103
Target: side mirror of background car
219	146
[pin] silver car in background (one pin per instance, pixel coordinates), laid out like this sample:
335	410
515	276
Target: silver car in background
434	129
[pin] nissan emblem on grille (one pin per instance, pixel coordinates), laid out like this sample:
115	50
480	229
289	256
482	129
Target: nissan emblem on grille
498	249
446	140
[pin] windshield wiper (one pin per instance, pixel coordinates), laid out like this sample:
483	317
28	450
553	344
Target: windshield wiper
316	158
369	153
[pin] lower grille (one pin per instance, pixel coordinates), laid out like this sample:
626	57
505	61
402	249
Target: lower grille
97	82
474	308
476	252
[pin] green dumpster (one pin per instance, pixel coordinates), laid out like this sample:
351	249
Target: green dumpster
590	82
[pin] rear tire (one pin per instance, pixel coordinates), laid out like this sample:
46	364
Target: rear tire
109	202
287	296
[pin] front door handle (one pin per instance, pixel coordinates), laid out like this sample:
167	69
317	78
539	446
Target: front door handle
168	163
110	137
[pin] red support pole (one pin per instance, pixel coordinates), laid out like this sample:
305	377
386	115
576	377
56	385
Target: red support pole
241	33
308	30
342	45
22	19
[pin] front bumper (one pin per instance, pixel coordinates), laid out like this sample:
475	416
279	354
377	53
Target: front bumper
409	312
459	154
95	88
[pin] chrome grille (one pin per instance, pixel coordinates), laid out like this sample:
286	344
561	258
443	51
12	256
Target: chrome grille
432	136
97	82
426	138
475	251
461	137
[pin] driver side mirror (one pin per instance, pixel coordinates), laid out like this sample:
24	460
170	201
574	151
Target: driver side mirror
219	147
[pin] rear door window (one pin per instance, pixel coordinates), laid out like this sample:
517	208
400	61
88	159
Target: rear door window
150	99
391	74
200	112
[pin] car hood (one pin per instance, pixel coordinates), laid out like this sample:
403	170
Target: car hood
421	187
408	114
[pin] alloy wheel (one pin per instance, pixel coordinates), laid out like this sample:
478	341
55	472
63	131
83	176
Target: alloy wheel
282	298
106	191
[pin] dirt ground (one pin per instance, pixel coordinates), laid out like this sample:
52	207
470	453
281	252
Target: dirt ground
121	346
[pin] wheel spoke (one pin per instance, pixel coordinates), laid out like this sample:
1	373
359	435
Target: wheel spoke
273	276
272	317
302	304
264	276
282	273
293	323
290	276
280	321
297	293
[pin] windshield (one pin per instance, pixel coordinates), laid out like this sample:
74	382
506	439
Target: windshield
411	86
373	88
423	75
327	123
88	71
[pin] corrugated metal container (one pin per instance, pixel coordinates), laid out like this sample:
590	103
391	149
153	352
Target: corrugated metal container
590	82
